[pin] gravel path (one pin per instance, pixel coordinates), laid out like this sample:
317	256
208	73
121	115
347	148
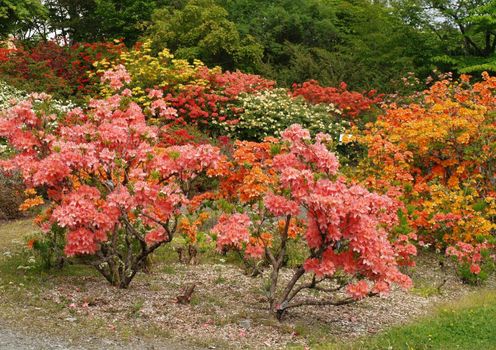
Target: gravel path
19	340
10	339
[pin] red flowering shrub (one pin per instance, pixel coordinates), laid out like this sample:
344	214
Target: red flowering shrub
201	104
116	189
352	103
289	190
51	68
5	53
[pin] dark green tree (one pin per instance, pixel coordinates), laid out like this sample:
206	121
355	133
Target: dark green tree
92	20
18	15
125	18
361	42
466	31
201	29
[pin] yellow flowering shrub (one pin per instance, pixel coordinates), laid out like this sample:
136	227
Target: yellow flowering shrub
161	71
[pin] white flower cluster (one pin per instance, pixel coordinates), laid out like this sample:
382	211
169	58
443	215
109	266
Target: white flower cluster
10	95
269	112
62	106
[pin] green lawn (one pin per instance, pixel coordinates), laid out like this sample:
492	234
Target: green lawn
13	233
469	324
15	255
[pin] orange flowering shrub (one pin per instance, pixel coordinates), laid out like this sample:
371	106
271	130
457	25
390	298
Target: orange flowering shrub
191	229
438	155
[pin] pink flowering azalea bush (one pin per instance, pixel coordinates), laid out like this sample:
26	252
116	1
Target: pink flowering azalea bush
475	261
288	191
116	189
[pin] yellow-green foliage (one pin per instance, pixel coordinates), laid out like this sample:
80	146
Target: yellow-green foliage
160	71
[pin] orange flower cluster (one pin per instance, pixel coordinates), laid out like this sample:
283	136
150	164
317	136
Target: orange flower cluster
439	154
188	226
32	201
295	228
250	176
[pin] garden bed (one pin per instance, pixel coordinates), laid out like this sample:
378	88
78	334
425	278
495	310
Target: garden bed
227	310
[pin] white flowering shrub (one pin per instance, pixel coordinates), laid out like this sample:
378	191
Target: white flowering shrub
9	95
269	112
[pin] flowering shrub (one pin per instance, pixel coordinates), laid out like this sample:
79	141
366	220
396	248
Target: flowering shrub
198	94
439	155
288	190
269	112
51	68
148	71
9	95
353	104
191	228
475	260
116	189
11	188
454	215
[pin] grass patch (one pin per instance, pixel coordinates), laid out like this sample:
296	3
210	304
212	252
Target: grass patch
13	233
425	289
315	335
468	324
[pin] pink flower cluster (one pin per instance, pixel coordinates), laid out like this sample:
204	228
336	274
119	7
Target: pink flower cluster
469	254
117	77
279	205
232	230
87	222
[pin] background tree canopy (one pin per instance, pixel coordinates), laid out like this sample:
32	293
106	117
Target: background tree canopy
202	29
359	42
465	31
365	43
17	15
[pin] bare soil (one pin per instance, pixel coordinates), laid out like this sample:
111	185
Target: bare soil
228	309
